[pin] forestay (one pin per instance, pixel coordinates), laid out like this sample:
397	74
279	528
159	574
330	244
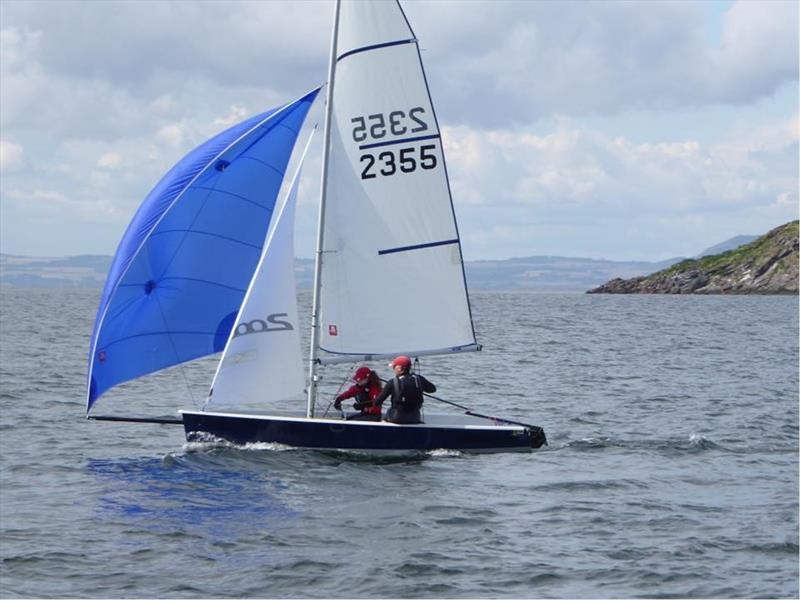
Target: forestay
262	359
182	268
392	277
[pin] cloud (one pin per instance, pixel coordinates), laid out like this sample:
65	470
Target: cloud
172	134
109	160
48	205
99	99
759	50
236	114
22	79
494	64
577	179
515	62
133	44
42	198
574	163
12	157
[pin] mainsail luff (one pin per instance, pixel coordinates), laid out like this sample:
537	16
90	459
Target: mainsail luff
326	137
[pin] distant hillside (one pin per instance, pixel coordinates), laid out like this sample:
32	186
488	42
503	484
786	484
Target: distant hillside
769	265
535	273
87	271
731	244
551	273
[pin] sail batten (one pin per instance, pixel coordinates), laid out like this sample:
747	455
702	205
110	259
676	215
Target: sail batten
417	246
404	141
375	47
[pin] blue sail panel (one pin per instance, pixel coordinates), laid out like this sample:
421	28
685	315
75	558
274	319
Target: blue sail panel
183	265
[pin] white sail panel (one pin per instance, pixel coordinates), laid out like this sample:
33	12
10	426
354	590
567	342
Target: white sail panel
364	23
392	274
262	362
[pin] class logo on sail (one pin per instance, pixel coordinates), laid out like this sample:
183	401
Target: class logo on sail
273	322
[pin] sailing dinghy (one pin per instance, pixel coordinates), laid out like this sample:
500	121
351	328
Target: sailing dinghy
206	265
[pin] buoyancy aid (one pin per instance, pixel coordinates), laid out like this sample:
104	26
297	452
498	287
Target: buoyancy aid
407	392
364	398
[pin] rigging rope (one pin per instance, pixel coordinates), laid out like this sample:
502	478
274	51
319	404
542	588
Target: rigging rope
341	385
181	365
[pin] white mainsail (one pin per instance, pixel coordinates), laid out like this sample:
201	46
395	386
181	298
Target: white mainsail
391	272
262	360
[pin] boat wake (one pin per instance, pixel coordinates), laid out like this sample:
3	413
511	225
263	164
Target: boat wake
444	453
694	443
205	442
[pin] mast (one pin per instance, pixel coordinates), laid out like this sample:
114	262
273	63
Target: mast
326	141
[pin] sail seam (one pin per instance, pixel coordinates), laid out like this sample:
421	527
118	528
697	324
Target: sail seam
261	162
128	304
237	196
375	47
157	333
195	279
403	141
417	247
216	235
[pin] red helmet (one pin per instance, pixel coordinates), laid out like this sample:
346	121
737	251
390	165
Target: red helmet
361	373
403	361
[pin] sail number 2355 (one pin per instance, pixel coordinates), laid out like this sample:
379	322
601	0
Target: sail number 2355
397	122
403	159
393	160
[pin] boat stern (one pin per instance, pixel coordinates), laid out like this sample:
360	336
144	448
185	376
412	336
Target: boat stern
538	438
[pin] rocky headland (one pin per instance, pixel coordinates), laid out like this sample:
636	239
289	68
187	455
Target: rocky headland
768	265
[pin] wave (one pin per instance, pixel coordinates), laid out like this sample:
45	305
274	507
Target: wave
205	442
694	443
208	443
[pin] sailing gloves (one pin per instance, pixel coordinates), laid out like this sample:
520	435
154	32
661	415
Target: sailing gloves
357	406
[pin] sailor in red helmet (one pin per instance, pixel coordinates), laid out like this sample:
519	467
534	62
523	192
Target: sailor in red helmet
366	389
406	390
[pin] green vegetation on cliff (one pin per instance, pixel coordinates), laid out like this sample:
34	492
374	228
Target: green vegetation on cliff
769	265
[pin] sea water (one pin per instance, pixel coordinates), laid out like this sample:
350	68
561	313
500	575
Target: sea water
672	468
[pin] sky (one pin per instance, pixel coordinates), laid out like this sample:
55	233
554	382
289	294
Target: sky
620	130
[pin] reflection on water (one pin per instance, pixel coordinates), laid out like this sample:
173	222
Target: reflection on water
189	495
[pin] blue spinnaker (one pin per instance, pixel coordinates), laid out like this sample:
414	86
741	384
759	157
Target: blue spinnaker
183	266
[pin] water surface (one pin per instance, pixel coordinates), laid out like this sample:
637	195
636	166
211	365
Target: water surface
672	468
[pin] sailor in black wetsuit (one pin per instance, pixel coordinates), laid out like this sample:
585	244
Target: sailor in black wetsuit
406	390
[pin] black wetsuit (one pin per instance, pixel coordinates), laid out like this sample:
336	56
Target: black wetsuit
407	400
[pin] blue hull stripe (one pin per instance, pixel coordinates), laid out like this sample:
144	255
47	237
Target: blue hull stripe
403	141
375	47
417	247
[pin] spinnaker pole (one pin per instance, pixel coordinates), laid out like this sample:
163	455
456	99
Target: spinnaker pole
326	142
